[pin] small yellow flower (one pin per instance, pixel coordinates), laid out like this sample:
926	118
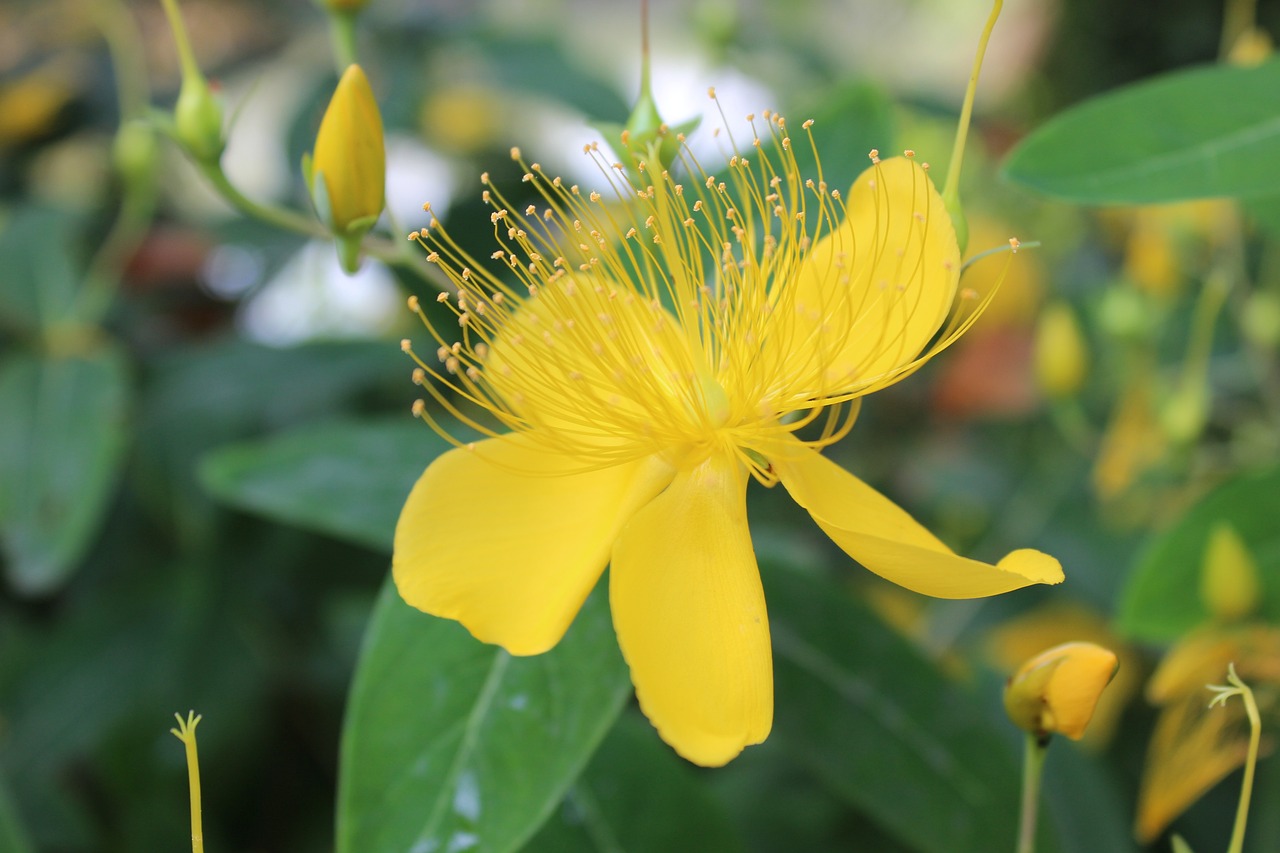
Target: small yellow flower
347	173
1057	690
649	350
1062	356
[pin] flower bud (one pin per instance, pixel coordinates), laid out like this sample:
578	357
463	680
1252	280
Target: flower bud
1229	580
197	118
1057	690
134	152
1061	357
347	173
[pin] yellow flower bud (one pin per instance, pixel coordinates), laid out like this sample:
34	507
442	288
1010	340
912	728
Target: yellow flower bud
1057	690
1229	580
1061	358
347	172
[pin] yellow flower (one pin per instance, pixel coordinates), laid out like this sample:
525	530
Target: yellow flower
347	173
648	360
1057	690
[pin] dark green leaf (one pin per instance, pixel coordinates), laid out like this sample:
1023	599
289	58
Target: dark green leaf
61	441
637	796
450	744
13	838
38	282
207	397
1198	133
346	479
1161	599
888	732
1265	211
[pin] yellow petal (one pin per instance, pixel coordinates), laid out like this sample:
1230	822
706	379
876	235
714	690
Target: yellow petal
885	539
690	615
513	555
870	295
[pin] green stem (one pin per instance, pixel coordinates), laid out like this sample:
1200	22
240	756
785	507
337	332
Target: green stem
951	191
102	278
190	68
342	31
279	217
1032	771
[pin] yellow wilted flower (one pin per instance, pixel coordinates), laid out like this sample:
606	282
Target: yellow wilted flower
347	173
1192	747
648	360
1057	690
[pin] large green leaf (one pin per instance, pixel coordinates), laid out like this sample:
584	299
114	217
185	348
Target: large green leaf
911	750
61	442
38	278
13	838
1198	133
450	744
637	796
346	479
1161	599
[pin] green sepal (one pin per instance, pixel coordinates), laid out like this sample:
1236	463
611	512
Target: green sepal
319	195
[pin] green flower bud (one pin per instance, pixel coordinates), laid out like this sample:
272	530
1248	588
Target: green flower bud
197	118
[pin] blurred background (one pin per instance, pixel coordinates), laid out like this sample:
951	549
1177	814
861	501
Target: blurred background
161	551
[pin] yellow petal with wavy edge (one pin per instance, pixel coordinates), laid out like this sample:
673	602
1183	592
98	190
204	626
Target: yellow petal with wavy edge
886	540
690	615
508	540
871	294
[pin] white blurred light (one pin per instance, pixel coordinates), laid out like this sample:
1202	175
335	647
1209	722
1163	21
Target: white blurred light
312	298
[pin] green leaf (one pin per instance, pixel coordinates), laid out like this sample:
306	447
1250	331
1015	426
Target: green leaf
13	838
1178	845
450	744
38	280
1161	597
908	748
61	444
637	795
347	479
1265	211
1197	133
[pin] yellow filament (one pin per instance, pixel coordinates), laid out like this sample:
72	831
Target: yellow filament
616	325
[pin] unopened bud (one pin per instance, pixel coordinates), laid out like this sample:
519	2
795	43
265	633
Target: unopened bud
1058	689
347	173
197	118
1229	584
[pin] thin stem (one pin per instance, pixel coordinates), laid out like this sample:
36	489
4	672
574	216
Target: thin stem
1032	771
342	31
645	67
190	68
951	191
1250	765
279	217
